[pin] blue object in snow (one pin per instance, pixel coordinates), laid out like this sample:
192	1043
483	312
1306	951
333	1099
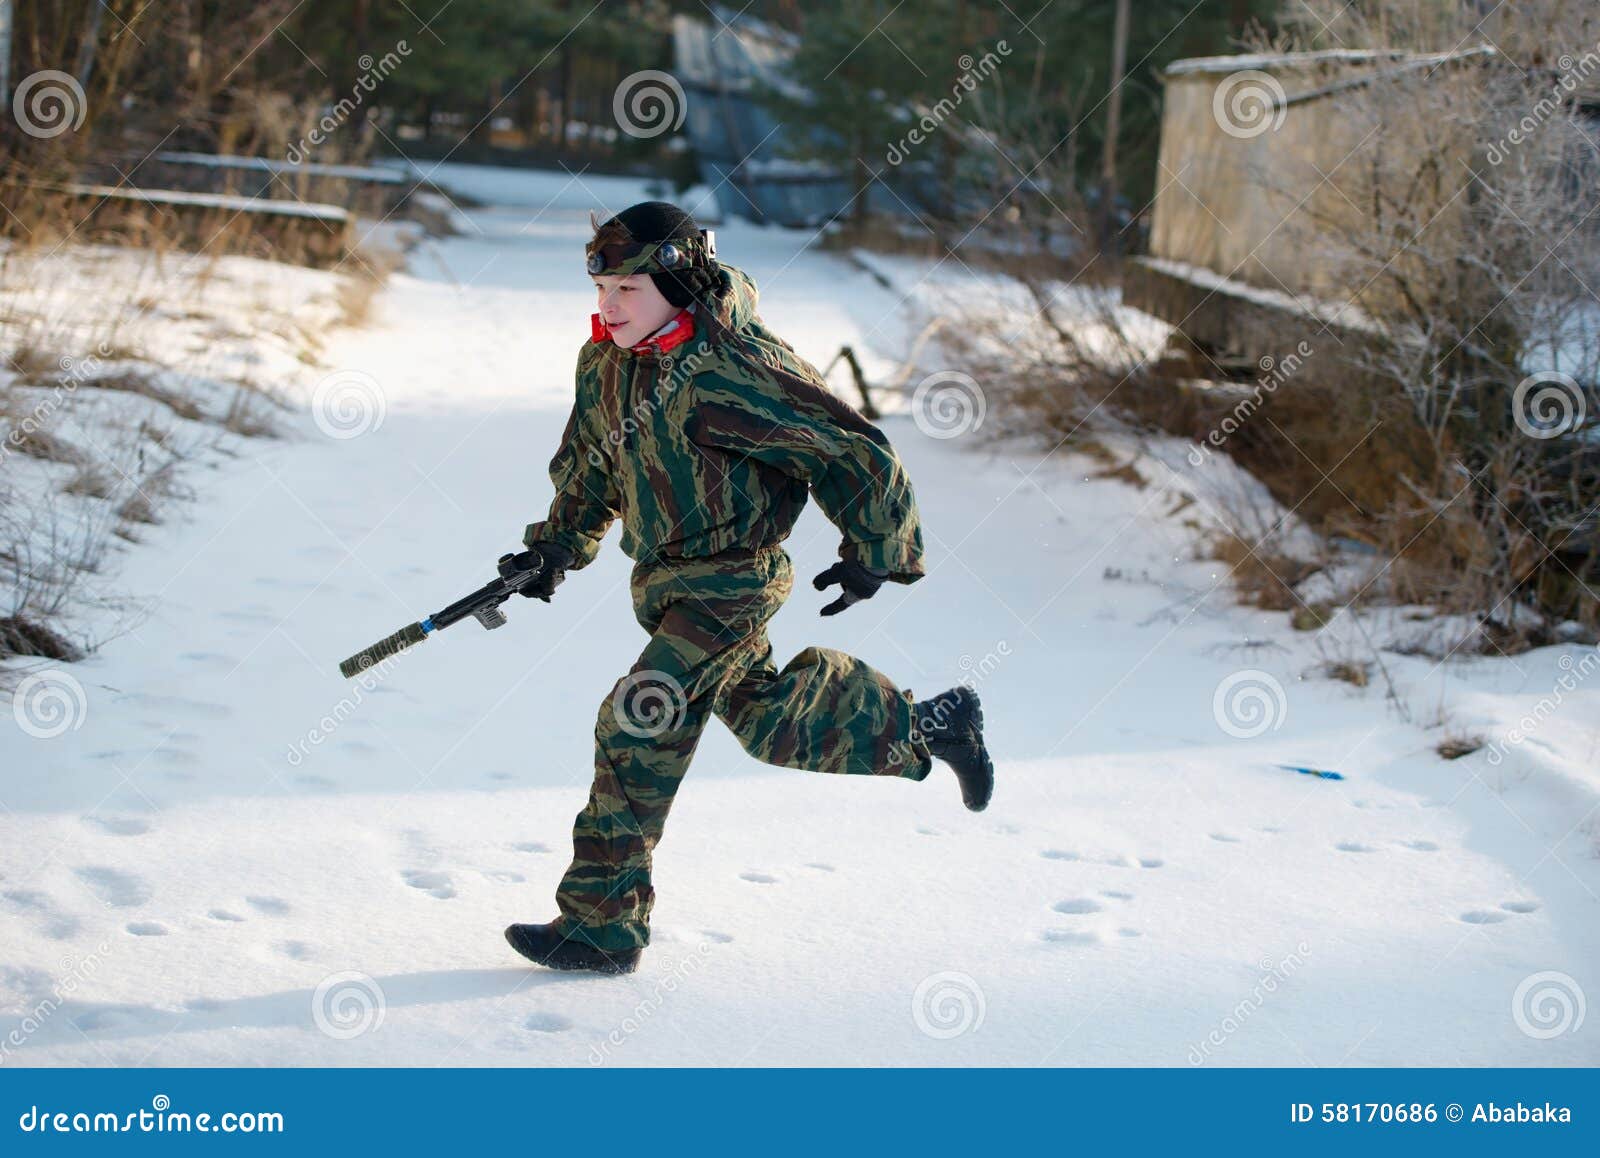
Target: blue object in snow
1322	773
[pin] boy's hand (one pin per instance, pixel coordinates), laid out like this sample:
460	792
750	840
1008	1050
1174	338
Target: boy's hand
855	581
549	559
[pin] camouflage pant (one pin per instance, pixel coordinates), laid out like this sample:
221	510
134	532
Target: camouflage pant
709	654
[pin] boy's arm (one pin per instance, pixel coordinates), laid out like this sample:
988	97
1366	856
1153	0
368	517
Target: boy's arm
586	497
799	427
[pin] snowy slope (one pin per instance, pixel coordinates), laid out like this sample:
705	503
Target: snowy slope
231	855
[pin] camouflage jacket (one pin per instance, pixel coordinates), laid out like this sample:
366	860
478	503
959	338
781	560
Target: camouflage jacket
714	446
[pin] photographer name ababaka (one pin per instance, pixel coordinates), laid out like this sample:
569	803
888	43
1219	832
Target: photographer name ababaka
1520	1113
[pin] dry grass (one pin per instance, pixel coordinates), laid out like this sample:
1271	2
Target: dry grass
1459	744
1264	578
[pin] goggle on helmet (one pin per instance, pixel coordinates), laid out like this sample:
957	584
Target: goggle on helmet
672	255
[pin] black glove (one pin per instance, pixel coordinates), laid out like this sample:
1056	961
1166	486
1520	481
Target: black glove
855	581
549	559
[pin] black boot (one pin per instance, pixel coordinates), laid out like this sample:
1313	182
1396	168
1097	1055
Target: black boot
548	946
952	726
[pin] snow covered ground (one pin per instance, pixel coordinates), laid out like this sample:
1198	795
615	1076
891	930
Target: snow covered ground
214	850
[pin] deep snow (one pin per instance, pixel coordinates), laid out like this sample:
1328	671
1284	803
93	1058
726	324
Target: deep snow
231	850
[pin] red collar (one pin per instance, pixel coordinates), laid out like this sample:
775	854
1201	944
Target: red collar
674	334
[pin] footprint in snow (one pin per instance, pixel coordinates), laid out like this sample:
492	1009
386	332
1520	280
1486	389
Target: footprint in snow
1483	917
1151	862
1128	932
1420	845
1060	854
171	708
58	925
759	878
1225	838
224	915
114	887
1078	905
296	950
546	1023
147	929
1070	937
119	825
1116	894
1354	846
272	906
819	866
716	938
209	658
530	846
430	881
502	877
1520	906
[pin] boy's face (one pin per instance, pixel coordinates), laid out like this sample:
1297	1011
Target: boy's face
631	307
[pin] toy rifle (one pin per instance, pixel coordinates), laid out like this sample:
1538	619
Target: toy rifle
482	605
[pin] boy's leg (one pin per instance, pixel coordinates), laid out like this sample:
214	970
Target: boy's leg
824	712
707	627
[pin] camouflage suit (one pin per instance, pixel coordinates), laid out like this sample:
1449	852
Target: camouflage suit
707	454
